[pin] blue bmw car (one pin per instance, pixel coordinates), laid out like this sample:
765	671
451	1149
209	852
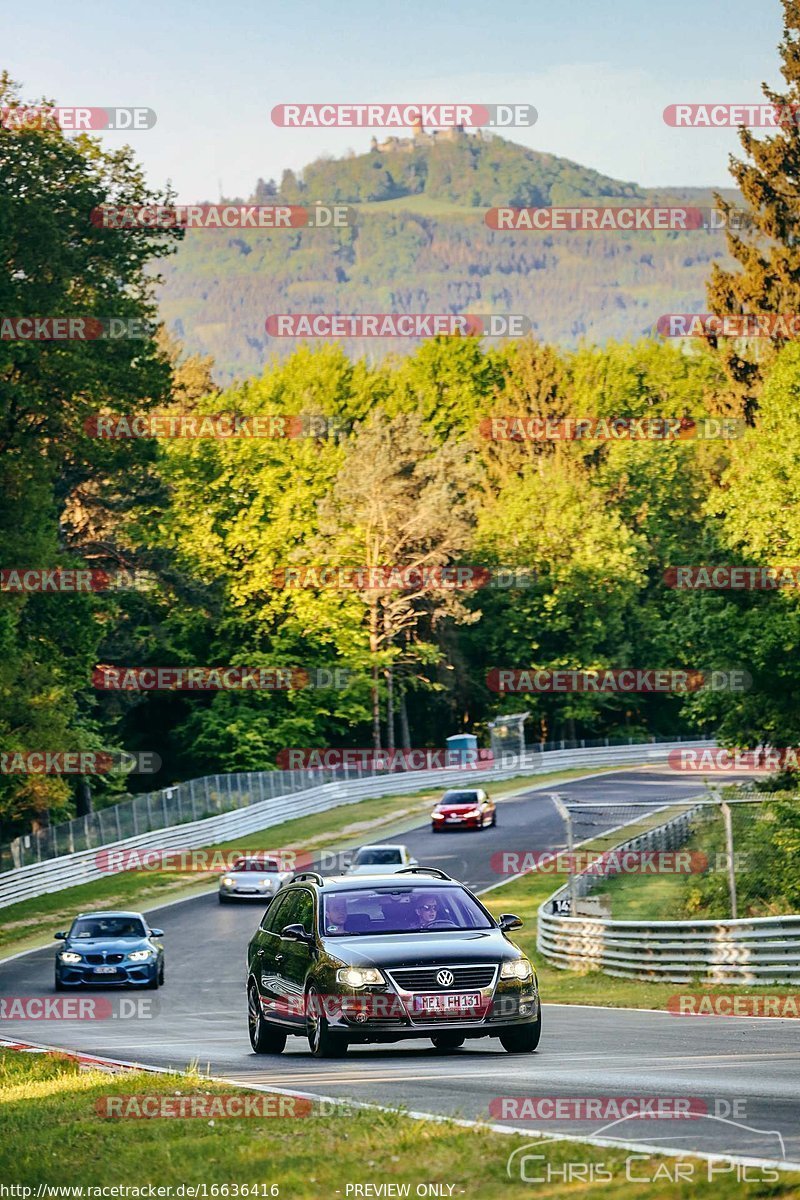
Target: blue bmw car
110	948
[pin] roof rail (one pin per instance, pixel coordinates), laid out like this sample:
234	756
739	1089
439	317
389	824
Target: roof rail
315	875
424	871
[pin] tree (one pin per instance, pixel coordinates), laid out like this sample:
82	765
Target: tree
762	236
399	500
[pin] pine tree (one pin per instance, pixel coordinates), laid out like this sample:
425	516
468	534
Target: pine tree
762	236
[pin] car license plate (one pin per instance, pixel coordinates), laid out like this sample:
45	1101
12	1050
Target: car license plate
448	1002
248	891
454	818
105	970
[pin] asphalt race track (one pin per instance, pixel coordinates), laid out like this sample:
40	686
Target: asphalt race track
746	1070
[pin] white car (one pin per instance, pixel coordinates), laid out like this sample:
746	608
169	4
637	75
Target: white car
252	879
381	860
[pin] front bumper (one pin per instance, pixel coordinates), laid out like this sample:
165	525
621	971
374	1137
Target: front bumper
375	1014
125	975
458	823
248	894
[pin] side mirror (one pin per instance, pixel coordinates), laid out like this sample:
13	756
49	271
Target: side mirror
296	933
413	862
60	937
156	933
508	921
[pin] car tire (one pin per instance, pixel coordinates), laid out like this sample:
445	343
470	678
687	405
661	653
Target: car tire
494	819
161	974
523	1039
322	1043
154	984
434	828
447	1041
223	899
59	986
264	1038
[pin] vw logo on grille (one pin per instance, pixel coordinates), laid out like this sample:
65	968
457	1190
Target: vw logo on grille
445	978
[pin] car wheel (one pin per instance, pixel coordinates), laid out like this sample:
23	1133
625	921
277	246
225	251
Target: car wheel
161	973
434	828
322	1042
447	1041
154	983
494	818
264	1038
223	899
59	986
524	1039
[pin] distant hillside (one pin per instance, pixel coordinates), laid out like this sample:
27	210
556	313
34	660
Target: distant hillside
420	244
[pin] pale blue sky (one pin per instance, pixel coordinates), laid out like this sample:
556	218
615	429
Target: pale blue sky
599	72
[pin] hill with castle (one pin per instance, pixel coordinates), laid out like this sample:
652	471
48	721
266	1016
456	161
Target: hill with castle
419	243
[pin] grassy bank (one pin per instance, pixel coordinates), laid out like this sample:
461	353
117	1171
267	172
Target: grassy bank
53	1135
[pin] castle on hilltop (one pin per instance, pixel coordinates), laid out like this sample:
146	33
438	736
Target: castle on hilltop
419	137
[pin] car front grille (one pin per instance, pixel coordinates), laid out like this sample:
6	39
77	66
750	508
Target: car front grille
100	960
423	979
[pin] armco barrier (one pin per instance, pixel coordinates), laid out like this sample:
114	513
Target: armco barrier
70	870
759	950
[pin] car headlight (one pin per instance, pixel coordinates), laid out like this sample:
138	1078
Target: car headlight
265	883
519	968
139	955
358	976
228	881
69	957
437	816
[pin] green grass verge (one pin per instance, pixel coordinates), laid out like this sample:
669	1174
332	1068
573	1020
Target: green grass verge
342	827
53	1135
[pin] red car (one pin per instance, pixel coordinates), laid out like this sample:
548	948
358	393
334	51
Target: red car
471	809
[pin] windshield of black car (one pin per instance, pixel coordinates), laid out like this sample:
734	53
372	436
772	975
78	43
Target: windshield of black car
460	798
407	909
108	927
254	864
378	857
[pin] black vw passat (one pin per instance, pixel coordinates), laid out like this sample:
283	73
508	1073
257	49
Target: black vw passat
377	959
110	948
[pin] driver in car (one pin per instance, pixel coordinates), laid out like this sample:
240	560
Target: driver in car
335	914
427	910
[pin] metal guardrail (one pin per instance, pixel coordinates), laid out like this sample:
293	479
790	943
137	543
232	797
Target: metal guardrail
759	950
83	866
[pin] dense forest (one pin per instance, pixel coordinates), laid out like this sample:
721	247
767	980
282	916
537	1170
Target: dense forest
388	464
